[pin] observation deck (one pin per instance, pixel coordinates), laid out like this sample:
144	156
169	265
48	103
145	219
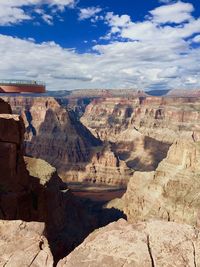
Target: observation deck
22	86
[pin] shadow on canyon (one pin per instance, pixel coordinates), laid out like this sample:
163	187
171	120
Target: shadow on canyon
72	148
63	144
153	152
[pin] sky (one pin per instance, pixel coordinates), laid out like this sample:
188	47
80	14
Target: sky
78	44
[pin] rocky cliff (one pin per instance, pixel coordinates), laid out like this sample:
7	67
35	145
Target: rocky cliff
116	135
162	118
171	192
56	135
165	186
31	190
155	243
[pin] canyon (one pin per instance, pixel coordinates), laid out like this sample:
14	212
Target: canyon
146	148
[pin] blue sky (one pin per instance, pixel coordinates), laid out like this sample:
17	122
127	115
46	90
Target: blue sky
101	43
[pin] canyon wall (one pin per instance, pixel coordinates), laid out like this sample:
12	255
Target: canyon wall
31	190
56	135
115	137
154	142
171	192
162	118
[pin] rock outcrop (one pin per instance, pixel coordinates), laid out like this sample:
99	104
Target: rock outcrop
24	244
171	192
154	243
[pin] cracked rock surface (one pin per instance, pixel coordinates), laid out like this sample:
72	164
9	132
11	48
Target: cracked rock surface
146	244
23	244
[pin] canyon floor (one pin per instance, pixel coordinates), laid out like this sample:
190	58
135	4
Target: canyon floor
100	179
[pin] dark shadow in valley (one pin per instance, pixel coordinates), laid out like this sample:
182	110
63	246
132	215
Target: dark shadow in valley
68	219
29	118
99	214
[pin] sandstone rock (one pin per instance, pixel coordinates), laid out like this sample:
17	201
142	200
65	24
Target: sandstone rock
171	192
110	120
162	118
14	181
23	244
39	168
38	195
154	243
104	168
55	135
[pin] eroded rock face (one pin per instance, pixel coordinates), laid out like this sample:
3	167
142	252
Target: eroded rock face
171	192
162	118
104	168
56	135
154	243
23	244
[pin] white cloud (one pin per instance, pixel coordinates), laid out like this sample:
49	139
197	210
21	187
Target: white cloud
13	12
144	54
88	13
173	13
117	21
48	18
196	39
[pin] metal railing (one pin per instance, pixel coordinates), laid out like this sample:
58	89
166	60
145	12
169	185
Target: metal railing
21	82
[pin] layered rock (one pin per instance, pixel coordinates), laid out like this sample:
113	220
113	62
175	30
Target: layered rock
171	192
56	135
155	243
111	119
162	118
24	244
104	168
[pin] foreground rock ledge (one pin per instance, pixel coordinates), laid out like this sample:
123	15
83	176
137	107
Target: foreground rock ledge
154	243
23	244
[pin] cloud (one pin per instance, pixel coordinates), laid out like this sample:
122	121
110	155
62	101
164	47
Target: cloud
116	20
14	12
88	13
196	39
167	1
145	54
173	13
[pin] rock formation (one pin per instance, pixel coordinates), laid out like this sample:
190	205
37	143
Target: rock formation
171	192
128	142
155	243
56	135
23	244
36	194
138	129
162	118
